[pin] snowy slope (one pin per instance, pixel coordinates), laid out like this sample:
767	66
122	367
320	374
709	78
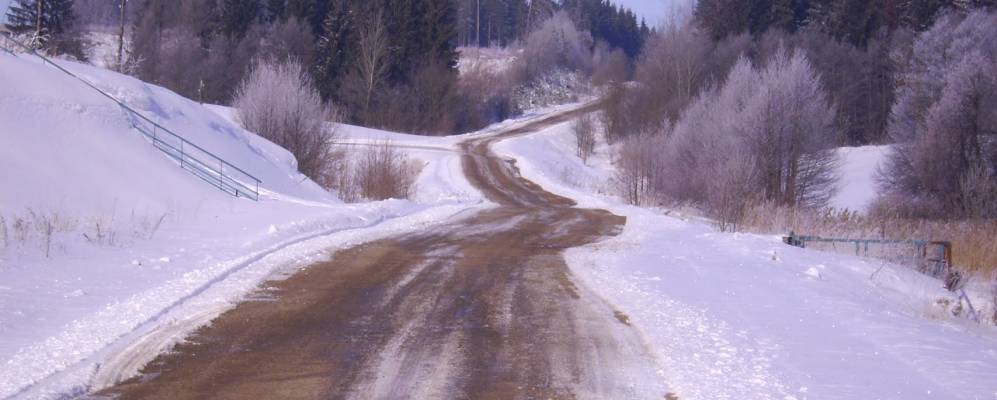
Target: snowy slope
142	249
741	316
856	176
90	150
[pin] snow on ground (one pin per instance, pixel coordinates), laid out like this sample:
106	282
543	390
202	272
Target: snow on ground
742	316
489	59
103	46
856	176
141	250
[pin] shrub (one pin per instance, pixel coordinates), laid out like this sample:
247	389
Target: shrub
584	129
376	172
639	167
279	102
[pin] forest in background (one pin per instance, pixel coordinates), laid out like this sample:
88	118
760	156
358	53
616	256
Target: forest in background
397	57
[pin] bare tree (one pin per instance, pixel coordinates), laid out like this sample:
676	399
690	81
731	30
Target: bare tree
372	61
121	35
584	129
639	166
732	191
279	102
672	66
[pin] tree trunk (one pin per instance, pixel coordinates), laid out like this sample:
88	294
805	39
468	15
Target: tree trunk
121	35
38	20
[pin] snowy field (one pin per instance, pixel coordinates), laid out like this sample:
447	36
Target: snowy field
857	171
141	251
488	59
741	316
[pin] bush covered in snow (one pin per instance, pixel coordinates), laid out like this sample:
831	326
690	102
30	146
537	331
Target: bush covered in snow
279	102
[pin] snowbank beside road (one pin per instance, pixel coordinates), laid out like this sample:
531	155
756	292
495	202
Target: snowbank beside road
139	247
732	316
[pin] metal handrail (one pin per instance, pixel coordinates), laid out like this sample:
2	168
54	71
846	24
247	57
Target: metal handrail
246	191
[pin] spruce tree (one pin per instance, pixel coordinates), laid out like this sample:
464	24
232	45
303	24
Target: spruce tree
57	18
237	16
334	48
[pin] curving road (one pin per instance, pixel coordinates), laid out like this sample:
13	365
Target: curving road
483	308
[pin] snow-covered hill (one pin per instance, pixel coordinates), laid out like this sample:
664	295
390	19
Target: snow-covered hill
105	242
83	154
856	173
743	316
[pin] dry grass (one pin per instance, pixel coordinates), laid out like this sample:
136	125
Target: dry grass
50	231
376	172
973	241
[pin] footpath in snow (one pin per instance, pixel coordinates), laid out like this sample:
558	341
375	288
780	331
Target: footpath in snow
742	316
140	252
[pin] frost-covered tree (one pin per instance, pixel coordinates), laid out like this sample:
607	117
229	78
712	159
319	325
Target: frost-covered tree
766	134
278	101
944	163
556	44
789	129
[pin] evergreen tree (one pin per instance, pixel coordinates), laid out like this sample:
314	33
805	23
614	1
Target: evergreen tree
52	29
333	48
236	16
57	17
441	30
